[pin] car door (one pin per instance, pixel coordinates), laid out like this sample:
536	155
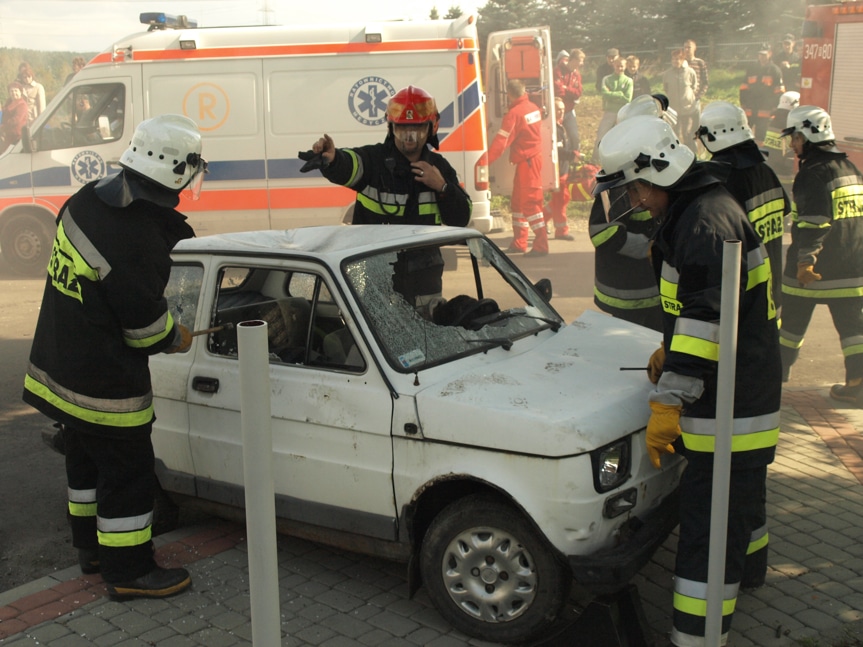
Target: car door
331	409
523	54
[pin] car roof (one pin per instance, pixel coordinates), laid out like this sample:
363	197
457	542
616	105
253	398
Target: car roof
337	241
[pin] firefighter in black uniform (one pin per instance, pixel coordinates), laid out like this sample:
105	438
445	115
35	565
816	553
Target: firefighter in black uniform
726	134
825	258
103	314
695	216
624	285
401	182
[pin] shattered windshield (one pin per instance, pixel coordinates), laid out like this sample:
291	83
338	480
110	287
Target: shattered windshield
432	304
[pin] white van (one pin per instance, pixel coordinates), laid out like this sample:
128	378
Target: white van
259	95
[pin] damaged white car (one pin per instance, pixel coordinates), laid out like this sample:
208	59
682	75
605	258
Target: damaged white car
429	405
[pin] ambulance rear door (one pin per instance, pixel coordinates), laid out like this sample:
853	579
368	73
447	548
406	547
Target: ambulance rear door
224	96
523	54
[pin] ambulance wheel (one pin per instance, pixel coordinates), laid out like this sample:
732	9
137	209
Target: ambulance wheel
26	245
490	573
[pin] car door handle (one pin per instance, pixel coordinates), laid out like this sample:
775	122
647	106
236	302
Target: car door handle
205	384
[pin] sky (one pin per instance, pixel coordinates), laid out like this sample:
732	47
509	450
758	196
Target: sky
93	25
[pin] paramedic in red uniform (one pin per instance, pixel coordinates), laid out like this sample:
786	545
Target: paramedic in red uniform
103	314
520	131
401	181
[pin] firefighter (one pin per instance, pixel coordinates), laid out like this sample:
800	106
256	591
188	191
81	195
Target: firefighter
103	314
520	132
825	259
401	182
780	157
760	90
726	134
695	215
624	285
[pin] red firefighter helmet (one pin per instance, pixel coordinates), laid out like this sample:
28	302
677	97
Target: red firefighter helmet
412	105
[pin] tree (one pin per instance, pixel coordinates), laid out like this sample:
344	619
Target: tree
433	14
454	12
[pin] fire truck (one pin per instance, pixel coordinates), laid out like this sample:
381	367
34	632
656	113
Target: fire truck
830	71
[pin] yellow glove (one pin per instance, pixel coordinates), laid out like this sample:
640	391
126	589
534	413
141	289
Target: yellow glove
185	340
655	364
806	274
663	428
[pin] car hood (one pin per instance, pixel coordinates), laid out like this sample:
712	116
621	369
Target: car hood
564	396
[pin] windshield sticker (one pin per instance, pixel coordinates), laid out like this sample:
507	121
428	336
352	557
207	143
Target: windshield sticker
368	99
412	357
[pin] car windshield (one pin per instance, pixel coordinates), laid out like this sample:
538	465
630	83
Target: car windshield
427	305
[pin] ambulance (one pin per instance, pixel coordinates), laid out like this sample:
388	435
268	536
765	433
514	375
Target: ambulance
260	95
830	70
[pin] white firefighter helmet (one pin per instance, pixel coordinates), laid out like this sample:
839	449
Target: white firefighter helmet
723	125
642	148
167	150
650	105
789	100
812	122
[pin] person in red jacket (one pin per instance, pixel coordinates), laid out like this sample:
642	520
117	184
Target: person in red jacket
567	86
14	116
520	132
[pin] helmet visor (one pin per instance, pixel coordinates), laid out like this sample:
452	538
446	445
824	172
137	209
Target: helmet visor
606	181
197	180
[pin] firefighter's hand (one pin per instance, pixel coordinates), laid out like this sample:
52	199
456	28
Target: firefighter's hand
806	274
326	147
655	364
428	175
663	428
185	340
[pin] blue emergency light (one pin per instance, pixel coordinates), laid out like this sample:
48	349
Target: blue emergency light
159	20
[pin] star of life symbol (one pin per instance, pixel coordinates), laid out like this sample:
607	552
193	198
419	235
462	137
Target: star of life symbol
87	166
368	98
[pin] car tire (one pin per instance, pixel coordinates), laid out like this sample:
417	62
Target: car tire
490	573
26	245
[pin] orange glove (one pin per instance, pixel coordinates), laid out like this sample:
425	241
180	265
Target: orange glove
806	274
663	428
655	364
185	340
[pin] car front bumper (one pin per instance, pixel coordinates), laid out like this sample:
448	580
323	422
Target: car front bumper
609	570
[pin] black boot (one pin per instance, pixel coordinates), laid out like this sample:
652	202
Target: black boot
851	392
158	583
88	560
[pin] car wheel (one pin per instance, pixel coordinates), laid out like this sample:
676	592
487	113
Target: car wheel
26	245
490	574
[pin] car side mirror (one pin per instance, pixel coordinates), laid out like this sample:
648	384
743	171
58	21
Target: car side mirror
104	126
543	286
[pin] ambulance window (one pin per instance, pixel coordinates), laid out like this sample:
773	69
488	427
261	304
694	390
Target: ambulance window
87	115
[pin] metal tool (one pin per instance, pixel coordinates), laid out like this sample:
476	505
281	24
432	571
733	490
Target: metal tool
207	331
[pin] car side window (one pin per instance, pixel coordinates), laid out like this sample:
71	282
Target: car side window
304	323
183	293
88	115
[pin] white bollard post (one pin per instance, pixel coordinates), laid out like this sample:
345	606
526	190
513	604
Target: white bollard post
729	311
258	481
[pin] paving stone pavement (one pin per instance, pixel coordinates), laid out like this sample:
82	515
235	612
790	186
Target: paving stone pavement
332	598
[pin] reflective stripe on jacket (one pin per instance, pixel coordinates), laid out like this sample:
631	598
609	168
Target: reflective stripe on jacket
103	313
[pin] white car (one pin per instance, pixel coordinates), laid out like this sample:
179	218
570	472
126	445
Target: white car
495	449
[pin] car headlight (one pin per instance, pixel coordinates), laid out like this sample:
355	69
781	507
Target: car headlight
611	465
